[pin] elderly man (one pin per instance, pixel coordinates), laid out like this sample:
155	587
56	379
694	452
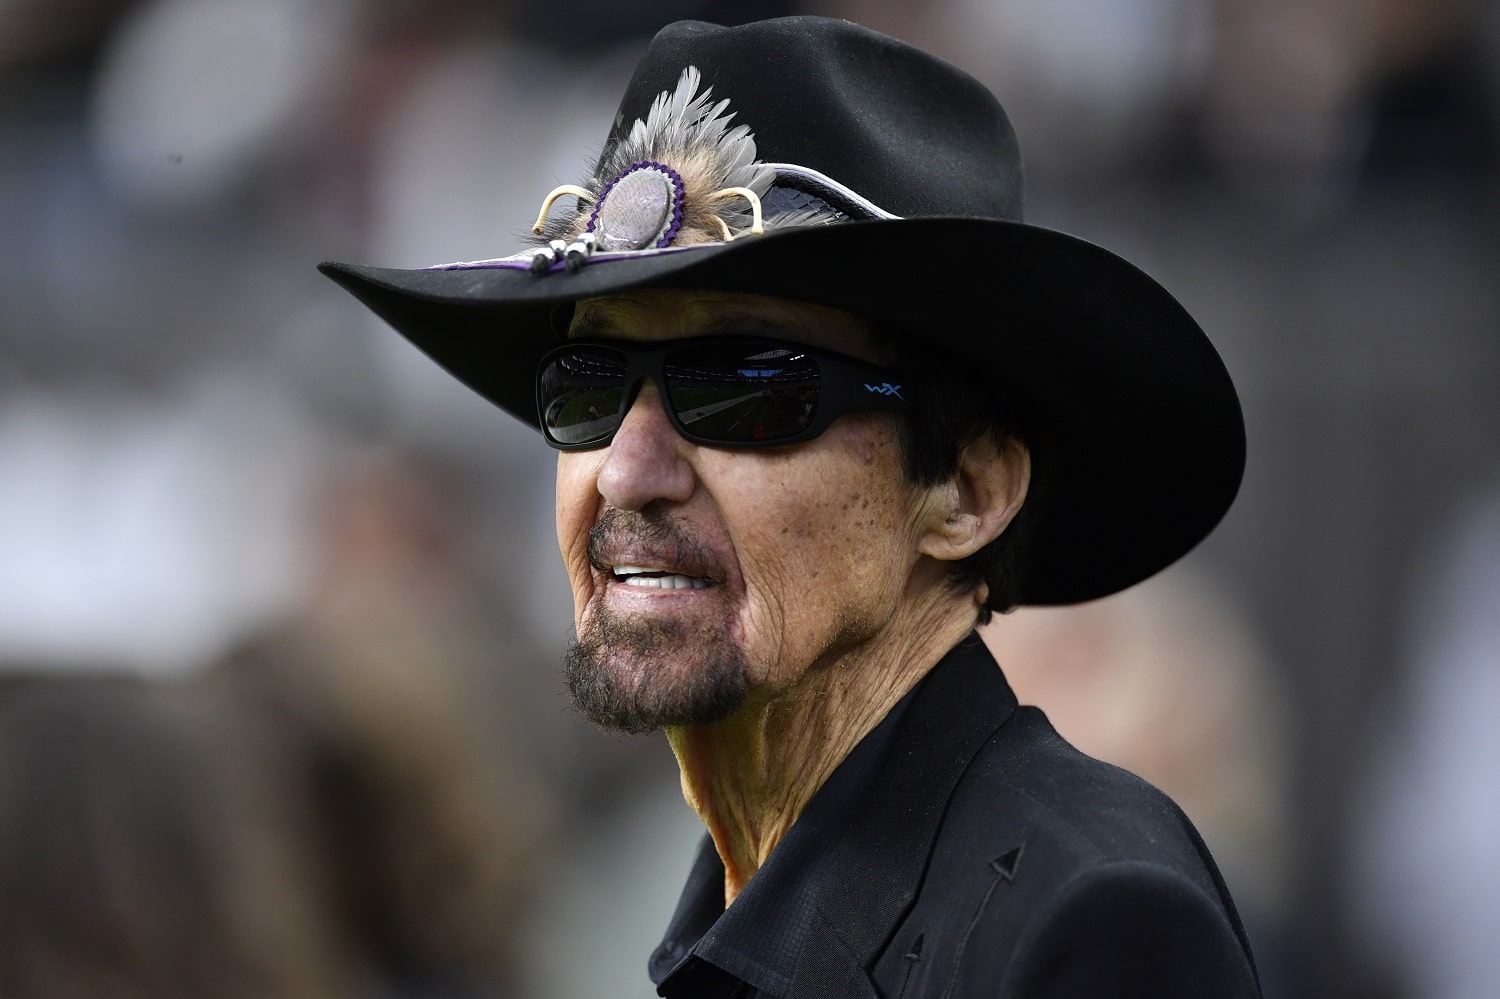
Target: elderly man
824	402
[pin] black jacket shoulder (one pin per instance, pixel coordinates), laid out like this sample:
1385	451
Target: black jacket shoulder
990	858
1052	875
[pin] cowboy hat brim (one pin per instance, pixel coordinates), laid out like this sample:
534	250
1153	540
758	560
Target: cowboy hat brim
1140	408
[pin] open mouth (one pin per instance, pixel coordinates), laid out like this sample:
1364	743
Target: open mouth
660	579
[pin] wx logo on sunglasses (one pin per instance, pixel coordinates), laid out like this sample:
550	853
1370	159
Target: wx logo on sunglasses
884	388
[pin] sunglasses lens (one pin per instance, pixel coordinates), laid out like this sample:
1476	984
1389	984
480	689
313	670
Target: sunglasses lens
741	393
581	393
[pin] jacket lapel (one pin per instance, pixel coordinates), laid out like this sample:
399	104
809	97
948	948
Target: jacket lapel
878	863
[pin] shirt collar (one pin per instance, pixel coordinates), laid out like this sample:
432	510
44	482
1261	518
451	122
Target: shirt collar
759	938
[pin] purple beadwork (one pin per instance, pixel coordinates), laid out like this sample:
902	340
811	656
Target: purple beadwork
640	208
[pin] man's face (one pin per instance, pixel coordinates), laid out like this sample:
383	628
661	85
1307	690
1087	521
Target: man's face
760	564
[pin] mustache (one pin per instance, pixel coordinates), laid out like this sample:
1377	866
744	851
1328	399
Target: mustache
654	534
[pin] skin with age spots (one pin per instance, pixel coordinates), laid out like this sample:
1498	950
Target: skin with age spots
812	577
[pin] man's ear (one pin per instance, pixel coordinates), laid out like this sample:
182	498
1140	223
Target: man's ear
981	499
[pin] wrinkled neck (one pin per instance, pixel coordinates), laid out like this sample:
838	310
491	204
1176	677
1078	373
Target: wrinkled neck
751	775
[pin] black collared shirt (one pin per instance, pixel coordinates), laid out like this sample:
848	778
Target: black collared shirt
752	947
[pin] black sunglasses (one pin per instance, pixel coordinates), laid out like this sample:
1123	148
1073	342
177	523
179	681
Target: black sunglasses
719	391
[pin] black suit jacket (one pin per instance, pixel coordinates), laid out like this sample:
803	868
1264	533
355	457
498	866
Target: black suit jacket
990	858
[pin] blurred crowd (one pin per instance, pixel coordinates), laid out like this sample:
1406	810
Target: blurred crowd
280	610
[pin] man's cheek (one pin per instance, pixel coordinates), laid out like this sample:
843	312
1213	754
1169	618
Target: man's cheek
572	542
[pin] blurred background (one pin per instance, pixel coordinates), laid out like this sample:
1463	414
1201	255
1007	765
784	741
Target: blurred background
280	611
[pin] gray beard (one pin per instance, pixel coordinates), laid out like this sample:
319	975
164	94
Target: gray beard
610	674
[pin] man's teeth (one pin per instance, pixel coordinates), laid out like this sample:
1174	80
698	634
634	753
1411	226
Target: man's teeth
637	575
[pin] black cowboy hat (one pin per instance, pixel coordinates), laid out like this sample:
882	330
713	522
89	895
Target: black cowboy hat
885	182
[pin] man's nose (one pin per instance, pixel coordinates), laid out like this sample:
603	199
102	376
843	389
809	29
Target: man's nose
646	460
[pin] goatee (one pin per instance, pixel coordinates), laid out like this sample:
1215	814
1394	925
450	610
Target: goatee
612	673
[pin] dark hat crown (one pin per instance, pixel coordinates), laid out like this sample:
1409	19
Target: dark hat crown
912	133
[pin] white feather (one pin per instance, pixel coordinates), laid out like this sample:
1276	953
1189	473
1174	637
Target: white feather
689	132
682	126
